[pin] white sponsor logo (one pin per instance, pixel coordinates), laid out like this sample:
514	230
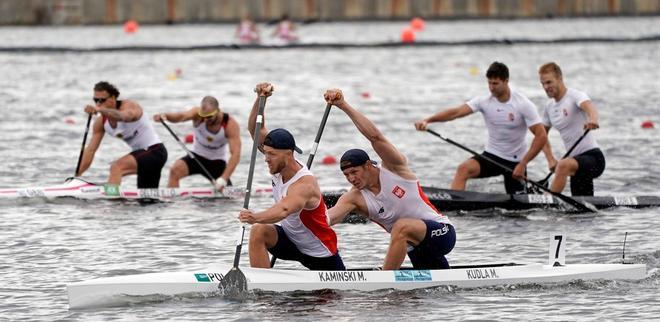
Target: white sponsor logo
440	231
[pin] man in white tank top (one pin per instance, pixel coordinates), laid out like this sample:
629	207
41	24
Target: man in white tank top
303	233
571	113
507	114
391	196
213	132
127	121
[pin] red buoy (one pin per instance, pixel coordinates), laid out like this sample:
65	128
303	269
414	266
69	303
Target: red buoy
189	138
647	125
417	24
328	160
131	26
408	35
69	120
365	95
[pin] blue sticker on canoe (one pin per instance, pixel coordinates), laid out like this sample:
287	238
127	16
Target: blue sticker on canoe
422	275
201	277
412	275
403	276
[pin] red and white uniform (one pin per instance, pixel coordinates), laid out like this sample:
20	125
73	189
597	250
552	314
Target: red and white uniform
399	198
308	229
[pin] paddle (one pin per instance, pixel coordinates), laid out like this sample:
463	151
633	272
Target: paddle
190	154
578	205
319	133
234	282
82	148
544	182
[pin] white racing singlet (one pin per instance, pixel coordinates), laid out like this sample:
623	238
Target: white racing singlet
212	146
139	135
507	123
568	118
399	198
308	228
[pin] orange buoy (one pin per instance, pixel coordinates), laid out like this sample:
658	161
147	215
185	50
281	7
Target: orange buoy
647	125
408	35
328	160
189	138
130	26
417	24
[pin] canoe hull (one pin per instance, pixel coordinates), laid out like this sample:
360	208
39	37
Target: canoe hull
122	289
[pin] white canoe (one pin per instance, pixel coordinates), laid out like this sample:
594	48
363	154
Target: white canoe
78	188
120	290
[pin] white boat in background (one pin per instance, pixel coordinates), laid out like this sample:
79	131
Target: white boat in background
120	290
79	188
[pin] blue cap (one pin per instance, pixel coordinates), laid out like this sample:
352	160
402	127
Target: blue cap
354	158
281	139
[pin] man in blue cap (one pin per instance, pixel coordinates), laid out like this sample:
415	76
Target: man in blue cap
391	196
303	233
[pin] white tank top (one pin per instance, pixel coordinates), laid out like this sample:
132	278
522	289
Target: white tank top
139	135
308	229
399	198
507	123
568	118
212	146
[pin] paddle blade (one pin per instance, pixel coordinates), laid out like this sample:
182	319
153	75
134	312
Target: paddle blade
233	284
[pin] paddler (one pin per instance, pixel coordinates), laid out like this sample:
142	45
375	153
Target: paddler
215	135
571	112
390	195
125	120
507	114
303	233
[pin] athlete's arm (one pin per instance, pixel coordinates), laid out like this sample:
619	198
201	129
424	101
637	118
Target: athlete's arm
540	140
299	194
262	89
547	151
234	138
444	116
392	158
88	153
176	117
592	115
344	205
130	112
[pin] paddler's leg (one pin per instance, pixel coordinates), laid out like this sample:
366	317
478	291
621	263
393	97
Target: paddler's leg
430	253
177	171
122	167
565	168
262	237
405	231
469	169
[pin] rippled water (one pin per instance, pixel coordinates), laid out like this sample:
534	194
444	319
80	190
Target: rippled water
50	244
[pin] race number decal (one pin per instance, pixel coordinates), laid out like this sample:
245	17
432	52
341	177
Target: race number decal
557	250
539	199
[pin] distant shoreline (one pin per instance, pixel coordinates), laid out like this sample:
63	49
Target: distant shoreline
109	12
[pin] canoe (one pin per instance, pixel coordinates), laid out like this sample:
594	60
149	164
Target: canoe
121	290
